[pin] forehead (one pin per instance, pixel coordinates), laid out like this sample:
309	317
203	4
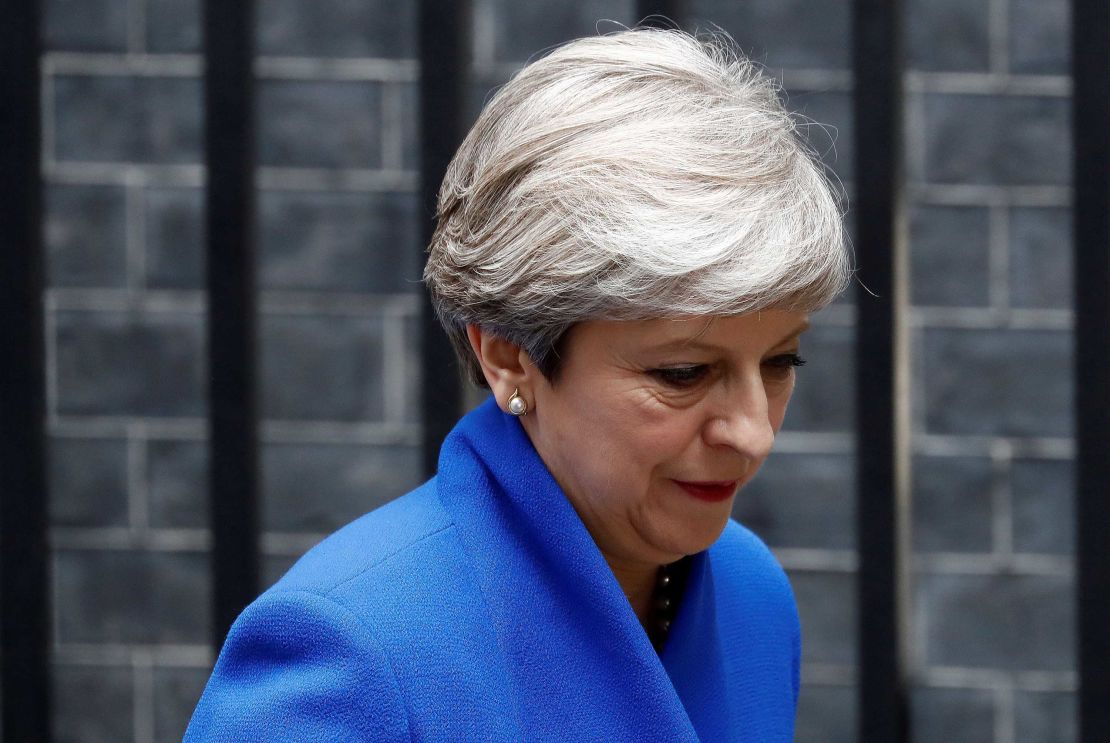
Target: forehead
756	331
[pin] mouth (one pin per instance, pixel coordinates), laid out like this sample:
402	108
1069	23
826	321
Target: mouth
714	492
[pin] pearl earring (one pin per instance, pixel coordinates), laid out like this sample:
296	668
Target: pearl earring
517	404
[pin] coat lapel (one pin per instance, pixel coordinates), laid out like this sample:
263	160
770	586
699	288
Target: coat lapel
582	666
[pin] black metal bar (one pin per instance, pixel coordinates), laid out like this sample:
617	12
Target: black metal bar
1091	142
445	66
663	13
24	571
882	407
232	306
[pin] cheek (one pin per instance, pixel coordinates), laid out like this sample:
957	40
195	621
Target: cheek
776	407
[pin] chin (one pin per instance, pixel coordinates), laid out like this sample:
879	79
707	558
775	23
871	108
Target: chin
697	537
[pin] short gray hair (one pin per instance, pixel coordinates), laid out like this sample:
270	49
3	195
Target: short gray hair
642	174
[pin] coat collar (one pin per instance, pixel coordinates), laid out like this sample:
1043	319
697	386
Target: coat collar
582	664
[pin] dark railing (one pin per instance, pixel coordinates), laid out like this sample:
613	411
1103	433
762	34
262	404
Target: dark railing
24	577
882	416
882	369
444	83
232	307
1091	140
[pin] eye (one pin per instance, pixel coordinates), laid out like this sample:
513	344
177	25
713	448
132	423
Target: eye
680	376
783	363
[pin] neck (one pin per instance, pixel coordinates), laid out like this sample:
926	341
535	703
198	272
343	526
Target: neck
637	580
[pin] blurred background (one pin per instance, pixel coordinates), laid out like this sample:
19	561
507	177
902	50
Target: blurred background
339	223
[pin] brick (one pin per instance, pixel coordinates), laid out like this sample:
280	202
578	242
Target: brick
980	139
322	368
86	236
823	396
88	482
131	596
1039	36
357	242
783	33
336	28
112	118
85	25
320	487
826	714
319	124
1043	506
173	26
952	504
997	382
952	715
112	363
1041	258
521	30
176	693
825	121
175	248
1045	717
801	500
177	484
950	256
1010	622
92	704
948	35
827	607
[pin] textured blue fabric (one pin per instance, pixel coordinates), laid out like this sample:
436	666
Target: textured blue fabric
478	608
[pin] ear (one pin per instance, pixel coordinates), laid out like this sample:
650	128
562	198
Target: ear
506	366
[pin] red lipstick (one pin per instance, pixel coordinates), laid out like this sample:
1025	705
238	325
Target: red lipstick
713	492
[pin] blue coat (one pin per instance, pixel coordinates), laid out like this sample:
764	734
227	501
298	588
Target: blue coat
478	608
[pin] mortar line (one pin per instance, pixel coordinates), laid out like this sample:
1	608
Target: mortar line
137	500
1002	522
394	369
50	345
142	670
999	257
392	139
46	155
135	234
136	26
999	35
1005	723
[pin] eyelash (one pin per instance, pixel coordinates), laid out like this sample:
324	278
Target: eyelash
787	360
687	376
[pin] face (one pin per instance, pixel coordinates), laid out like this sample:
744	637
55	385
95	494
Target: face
652	426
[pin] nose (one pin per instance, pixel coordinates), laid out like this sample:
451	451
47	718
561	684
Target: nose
740	420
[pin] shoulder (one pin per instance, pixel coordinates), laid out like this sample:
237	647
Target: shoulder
298	666
748	572
313	657
752	589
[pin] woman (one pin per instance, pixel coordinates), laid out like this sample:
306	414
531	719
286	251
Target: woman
629	243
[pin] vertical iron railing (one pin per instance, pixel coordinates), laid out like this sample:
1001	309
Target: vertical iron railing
232	306
24	572
1091	142
445	39
882	373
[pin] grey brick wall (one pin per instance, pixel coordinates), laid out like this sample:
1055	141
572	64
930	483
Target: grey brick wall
339	227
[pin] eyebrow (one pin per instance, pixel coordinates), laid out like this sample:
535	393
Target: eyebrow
694	342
